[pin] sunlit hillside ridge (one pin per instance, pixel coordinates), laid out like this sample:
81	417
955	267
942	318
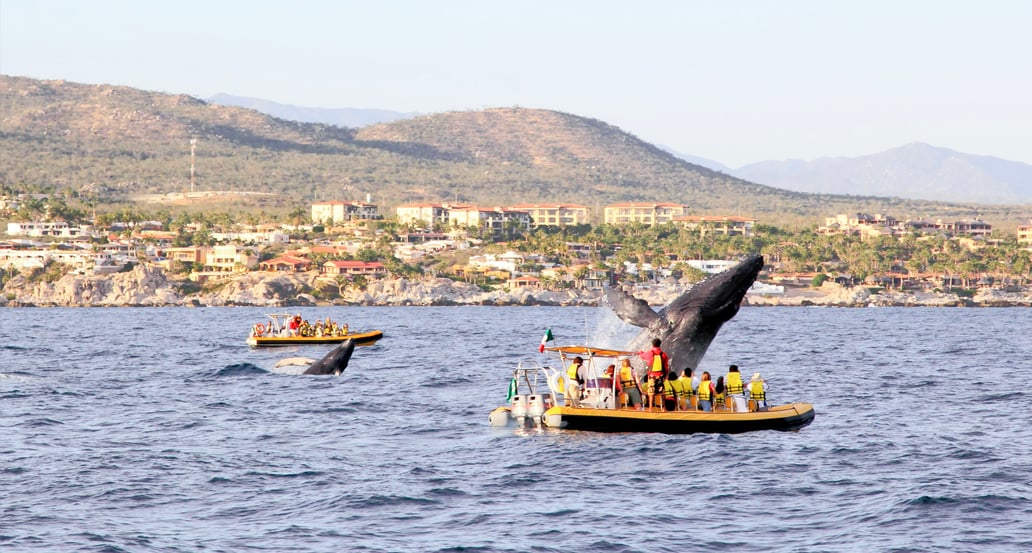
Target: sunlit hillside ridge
128	142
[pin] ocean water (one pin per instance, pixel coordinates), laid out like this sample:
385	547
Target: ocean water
159	430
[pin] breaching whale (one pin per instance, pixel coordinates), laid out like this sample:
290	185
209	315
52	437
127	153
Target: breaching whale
689	323
333	362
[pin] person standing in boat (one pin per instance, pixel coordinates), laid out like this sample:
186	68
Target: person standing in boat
735	389
626	383
575	380
658	365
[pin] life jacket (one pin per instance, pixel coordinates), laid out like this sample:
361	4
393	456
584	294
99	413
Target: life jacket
679	388
686	382
704	390
756	391
571	371
626	378
718	397
657	365
734	383
668	389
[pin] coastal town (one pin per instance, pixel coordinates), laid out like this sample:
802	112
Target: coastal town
350	252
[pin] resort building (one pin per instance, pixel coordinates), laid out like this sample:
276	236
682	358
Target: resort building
866	225
495	219
285	264
58	229
1025	233
728	226
555	215
644	213
429	214
339	212
367	268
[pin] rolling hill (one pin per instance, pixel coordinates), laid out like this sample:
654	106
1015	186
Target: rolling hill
70	136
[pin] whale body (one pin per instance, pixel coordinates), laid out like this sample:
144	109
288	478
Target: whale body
688	324
333	362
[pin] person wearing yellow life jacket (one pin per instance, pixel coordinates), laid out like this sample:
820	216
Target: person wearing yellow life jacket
735	389
687	389
626	383
719	395
673	389
574	380
705	392
757	390
658	365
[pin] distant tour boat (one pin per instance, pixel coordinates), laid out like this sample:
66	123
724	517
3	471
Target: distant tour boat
281	332
537	398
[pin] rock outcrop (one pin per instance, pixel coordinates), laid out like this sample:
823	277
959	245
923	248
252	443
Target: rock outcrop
151	286
142	286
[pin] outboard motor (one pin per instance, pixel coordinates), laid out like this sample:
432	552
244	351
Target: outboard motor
535	408
519	407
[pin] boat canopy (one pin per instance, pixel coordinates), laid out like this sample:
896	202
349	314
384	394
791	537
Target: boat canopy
590	351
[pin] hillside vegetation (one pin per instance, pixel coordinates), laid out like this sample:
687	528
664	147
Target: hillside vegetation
61	136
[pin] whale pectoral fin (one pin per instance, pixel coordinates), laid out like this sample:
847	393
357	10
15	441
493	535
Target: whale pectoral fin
629	308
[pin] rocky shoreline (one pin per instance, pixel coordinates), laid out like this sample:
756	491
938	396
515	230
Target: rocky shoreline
151	287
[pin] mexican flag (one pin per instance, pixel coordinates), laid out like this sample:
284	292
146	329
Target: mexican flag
546	338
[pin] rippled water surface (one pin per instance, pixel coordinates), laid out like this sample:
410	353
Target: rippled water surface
160	430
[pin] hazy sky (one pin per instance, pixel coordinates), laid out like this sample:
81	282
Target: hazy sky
732	81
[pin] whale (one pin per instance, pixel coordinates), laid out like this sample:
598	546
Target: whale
333	362
687	325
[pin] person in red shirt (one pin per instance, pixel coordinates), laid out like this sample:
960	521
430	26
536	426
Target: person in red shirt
658	366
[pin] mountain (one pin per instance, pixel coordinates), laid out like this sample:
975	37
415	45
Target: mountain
341	117
700	161
68	136
917	171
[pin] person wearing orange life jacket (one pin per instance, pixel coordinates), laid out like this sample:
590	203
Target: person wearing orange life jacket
705	392
735	389
626	383
658	366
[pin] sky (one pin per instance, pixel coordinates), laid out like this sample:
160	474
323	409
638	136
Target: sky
732	81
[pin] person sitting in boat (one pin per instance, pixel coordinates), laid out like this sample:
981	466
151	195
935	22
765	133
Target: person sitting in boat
688	389
627	385
258	329
705	392
735	389
719	395
672	390
319	332
658	365
757	390
344	330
